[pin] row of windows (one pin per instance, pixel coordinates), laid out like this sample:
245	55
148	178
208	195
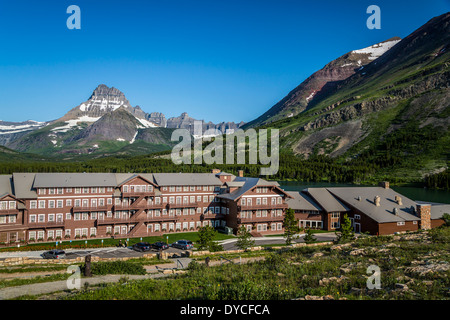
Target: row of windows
80	190
259	201
190	188
78	216
58	234
310	224
5	205
8	219
262	213
137	188
41	204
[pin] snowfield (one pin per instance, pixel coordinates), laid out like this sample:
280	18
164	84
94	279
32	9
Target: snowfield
377	50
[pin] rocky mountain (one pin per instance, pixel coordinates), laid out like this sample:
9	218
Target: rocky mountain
10	131
394	112
186	122
106	122
322	82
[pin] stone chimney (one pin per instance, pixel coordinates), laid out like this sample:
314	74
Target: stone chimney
376	200
398	199
384	184
241	173
424	213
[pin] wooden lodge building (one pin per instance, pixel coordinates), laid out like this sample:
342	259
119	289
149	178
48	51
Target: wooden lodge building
67	206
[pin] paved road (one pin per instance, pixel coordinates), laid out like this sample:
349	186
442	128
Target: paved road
114	252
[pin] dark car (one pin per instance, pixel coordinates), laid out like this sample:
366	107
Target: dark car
54	254
160	245
141	246
183	244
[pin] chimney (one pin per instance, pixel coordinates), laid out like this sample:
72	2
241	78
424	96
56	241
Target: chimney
376	200
424	213
241	173
384	184
398	199
395	211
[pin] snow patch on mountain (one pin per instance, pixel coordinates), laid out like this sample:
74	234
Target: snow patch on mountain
73	123
377	50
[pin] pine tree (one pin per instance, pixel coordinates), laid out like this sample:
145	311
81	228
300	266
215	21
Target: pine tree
244	239
309	237
346	232
290	225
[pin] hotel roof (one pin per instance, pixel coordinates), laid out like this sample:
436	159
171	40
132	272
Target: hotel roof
324	198
362	198
187	179
301	201
63	180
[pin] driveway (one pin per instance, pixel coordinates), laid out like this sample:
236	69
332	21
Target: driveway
230	244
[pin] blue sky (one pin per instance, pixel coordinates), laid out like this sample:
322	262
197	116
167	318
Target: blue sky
217	60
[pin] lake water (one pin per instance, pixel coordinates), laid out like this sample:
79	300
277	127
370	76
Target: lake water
413	193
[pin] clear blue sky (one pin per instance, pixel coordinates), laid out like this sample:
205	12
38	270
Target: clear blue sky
217	60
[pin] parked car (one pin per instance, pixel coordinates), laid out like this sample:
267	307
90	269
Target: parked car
54	254
160	245
183	244
141	246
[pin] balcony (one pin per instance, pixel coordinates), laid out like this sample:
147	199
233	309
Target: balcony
183	205
261	219
134	219
89	209
44	225
268	206
132	193
9	211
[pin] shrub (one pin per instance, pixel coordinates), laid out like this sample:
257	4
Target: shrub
116	267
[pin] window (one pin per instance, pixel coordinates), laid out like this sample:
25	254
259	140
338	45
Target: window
51	204
93	231
59	203
40	234
32	218
41	204
192	199
67	232
41	218
68	202
32	235
357	216
41	191
51	191
59	217
401	223
68	190
68	216
51	218
125	189
77	216
2	219
85	190
60	191
77	190
33	204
